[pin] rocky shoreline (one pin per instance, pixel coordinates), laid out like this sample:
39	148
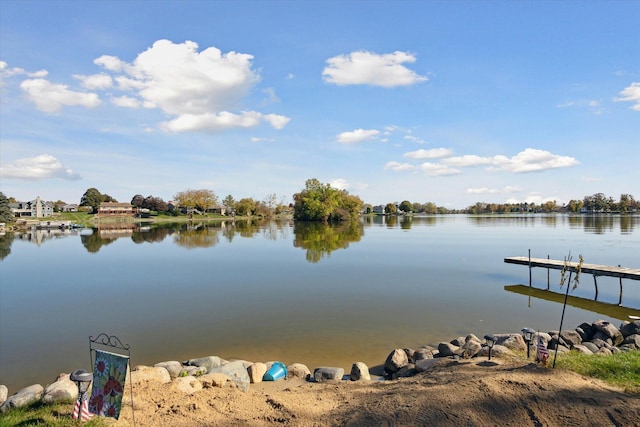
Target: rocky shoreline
598	338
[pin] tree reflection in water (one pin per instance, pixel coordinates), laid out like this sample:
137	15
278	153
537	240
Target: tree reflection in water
320	239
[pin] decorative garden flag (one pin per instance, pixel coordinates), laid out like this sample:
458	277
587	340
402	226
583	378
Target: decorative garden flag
109	374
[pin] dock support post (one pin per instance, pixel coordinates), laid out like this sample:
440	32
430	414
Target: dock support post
595	282
620	299
529	267
548	274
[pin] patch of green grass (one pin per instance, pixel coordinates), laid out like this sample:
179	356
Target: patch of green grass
40	414
620	369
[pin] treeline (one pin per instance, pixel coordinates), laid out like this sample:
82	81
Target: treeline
596	203
321	202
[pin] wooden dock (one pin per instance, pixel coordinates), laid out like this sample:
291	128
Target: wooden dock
594	269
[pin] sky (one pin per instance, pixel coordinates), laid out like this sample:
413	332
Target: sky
451	102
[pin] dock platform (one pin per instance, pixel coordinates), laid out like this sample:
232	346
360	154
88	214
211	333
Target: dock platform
594	269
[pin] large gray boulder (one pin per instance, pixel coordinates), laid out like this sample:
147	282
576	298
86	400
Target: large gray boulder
236	371
571	337
630	328
299	370
513	342
359	372
208	362
62	390
423	353
325	374
396	360
633	341
446	349
610	330
471	349
23	398
172	366
256	371
4	393
143	373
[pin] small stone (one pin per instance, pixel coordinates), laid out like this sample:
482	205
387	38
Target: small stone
447	349
256	371
325	374
298	370
359	372
396	360
208	362
187	385
147	374
173	367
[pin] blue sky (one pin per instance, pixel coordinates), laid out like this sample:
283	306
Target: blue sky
445	102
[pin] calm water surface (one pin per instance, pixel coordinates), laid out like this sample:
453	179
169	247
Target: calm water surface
308	293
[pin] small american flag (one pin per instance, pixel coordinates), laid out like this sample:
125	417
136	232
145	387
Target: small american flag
542	355
81	408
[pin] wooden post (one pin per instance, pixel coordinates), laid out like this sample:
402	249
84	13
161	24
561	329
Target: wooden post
529	267
620	299
548	275
595	282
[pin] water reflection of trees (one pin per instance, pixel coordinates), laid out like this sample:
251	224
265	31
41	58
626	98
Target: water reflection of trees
94	241
198	235
6	239
597	224
320	239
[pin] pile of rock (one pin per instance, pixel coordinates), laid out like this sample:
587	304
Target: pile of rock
600	337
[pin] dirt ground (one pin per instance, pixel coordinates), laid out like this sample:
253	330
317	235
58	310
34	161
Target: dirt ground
469	392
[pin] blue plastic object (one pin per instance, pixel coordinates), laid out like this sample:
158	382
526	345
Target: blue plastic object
276	372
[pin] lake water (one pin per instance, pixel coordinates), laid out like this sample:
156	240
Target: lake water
294	292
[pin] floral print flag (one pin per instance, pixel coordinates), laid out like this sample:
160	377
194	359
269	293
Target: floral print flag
109	374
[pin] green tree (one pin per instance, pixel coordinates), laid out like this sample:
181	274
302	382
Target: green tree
92	198
192	200
390	208
6	214
406	206
246	207
229	203
321	202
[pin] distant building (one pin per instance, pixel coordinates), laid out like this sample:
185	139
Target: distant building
116	209
33	209
69	208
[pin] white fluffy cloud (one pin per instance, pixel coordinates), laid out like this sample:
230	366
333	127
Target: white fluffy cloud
200	89
438	169
399	167
340	184
6	72
631	94
434	153
367	68
37	168
532	160
221	121
51	97
468	160
485	190
529	160
95	81
357	135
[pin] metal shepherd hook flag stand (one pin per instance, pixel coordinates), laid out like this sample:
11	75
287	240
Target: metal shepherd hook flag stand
110	360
